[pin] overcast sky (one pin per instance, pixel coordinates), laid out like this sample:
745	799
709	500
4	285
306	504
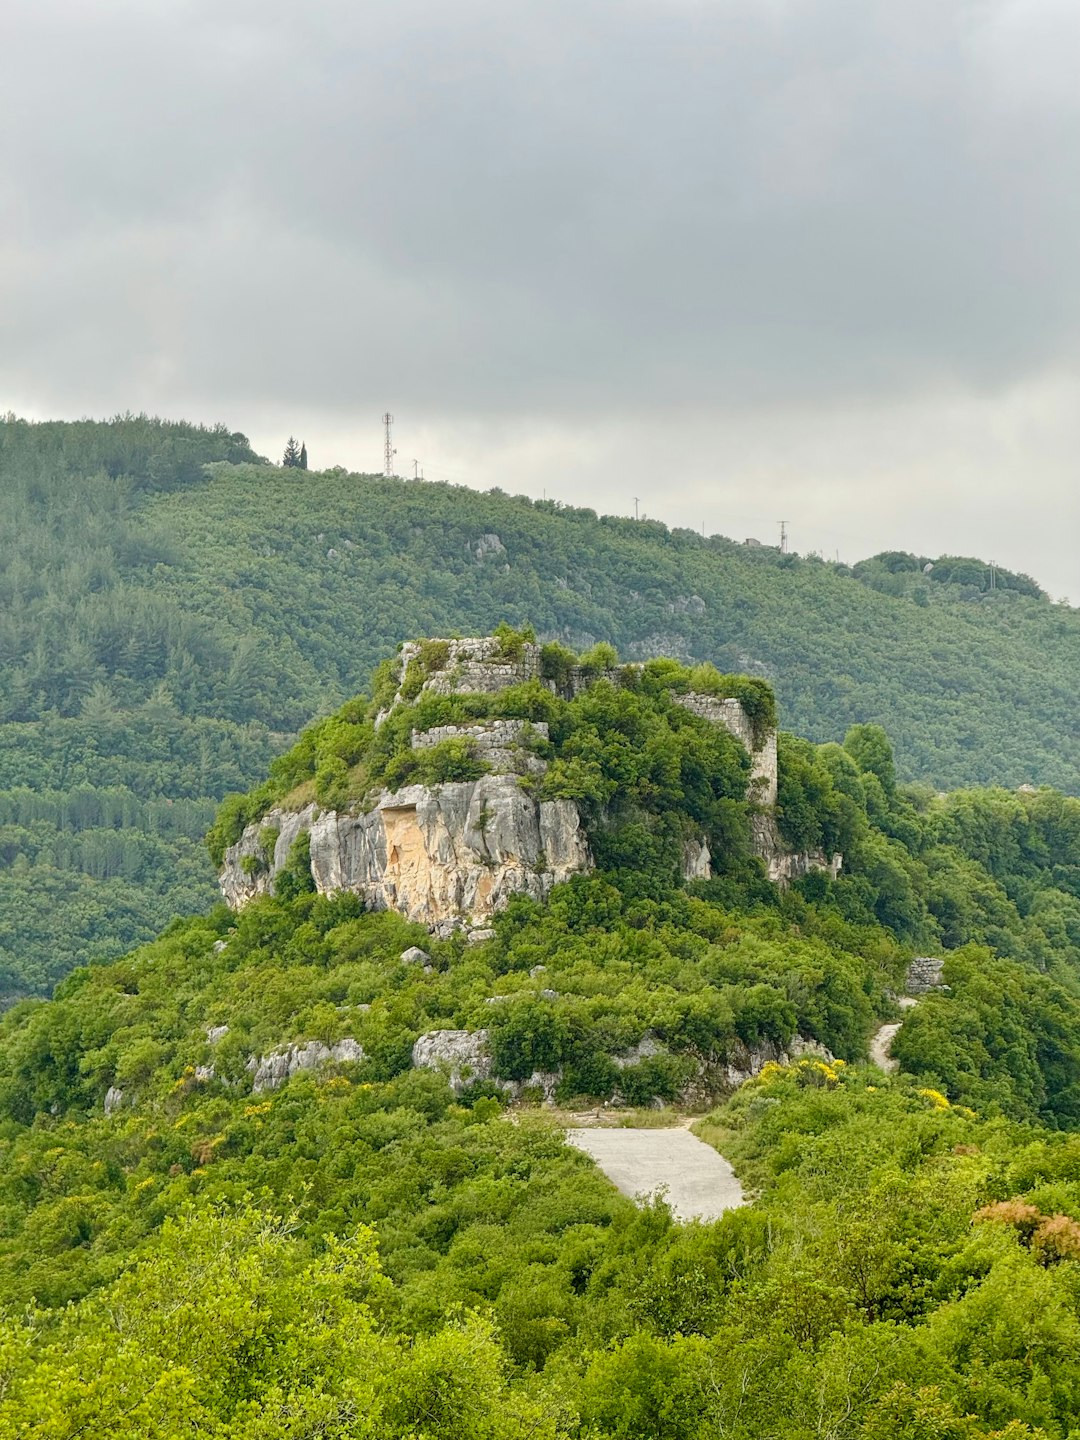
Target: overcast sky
744	259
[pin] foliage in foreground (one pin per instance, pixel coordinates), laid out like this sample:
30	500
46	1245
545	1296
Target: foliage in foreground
363	1253
909	1268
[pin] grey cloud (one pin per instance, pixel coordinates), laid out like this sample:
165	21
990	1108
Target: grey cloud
581	209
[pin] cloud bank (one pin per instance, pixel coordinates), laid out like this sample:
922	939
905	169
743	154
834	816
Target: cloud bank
746	259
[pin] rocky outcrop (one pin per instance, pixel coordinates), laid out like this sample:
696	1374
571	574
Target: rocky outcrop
478	665
464	1057
504	745
114	1098
484	545
696	860
783	865
271	1071
444	855
647	1047
249	869
451	855
687	605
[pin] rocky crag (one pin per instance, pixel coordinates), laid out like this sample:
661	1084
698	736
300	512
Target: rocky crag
464	1057
451	855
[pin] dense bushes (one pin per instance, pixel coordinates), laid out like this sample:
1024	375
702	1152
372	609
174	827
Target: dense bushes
905	1223
512	1287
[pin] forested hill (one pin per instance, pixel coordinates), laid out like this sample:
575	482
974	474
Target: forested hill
248	1193
164	628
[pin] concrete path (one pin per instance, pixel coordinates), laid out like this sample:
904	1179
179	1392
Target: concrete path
699	1183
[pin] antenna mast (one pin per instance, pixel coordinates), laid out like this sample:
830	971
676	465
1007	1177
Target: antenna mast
783	537
388	448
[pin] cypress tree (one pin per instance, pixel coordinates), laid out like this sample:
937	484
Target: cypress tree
303	457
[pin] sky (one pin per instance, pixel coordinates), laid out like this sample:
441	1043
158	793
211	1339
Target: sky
744	260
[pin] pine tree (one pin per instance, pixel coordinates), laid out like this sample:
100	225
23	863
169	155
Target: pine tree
303	457
291	458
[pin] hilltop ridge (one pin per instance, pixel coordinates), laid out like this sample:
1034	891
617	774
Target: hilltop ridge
167	629
441	802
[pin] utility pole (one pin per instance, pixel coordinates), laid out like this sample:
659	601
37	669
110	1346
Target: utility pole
783	537
416	469
388	448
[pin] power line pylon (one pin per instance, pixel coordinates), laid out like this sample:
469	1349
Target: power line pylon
388	448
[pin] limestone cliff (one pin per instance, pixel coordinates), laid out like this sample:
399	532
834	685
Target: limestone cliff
444	855
452	854
783	865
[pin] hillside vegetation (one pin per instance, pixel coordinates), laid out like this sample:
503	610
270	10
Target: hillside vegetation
165	630
361	1252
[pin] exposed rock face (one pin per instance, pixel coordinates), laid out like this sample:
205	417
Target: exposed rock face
449	854
464	1057
455	851
687	605
114	1098
475	665
488	544
924	974
783	865
645	1049
248	871
696	860
452	855
786	865
271	1071
462	1054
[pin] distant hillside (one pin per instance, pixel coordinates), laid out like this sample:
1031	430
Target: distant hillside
164	630
973	686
